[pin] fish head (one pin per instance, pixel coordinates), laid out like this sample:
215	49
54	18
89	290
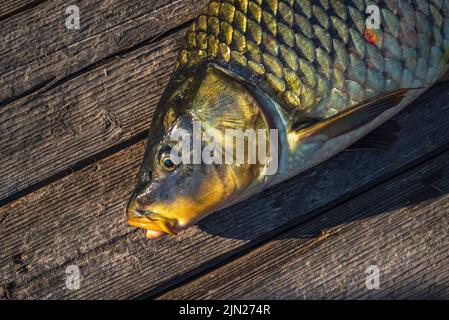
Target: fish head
178	184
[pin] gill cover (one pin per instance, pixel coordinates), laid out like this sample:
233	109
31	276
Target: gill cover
168	197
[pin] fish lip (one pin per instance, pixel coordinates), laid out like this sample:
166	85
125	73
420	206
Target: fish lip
142	219
144	223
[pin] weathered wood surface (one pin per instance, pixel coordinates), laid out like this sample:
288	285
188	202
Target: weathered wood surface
48	131
38	51
80	219
405	235
97	106
100	109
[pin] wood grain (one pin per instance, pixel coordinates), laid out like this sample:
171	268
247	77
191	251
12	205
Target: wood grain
37	50
10	7
43	134
79	220
400	226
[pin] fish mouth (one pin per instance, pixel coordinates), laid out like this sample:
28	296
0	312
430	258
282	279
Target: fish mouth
155	223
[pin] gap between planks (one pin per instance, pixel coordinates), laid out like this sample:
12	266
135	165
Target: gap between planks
9	8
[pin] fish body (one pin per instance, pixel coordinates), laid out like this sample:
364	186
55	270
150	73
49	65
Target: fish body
324	73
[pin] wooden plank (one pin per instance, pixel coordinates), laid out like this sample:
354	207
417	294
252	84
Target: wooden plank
50	132
9	8
400	226
37	50
80	220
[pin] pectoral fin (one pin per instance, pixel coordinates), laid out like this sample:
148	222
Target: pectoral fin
380	139
444	78
356	117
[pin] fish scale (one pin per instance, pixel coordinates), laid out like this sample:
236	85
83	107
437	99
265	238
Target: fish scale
317	56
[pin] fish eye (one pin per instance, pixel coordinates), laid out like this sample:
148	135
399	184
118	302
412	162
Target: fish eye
166	162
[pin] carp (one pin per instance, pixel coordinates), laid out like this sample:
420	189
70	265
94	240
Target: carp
321	74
